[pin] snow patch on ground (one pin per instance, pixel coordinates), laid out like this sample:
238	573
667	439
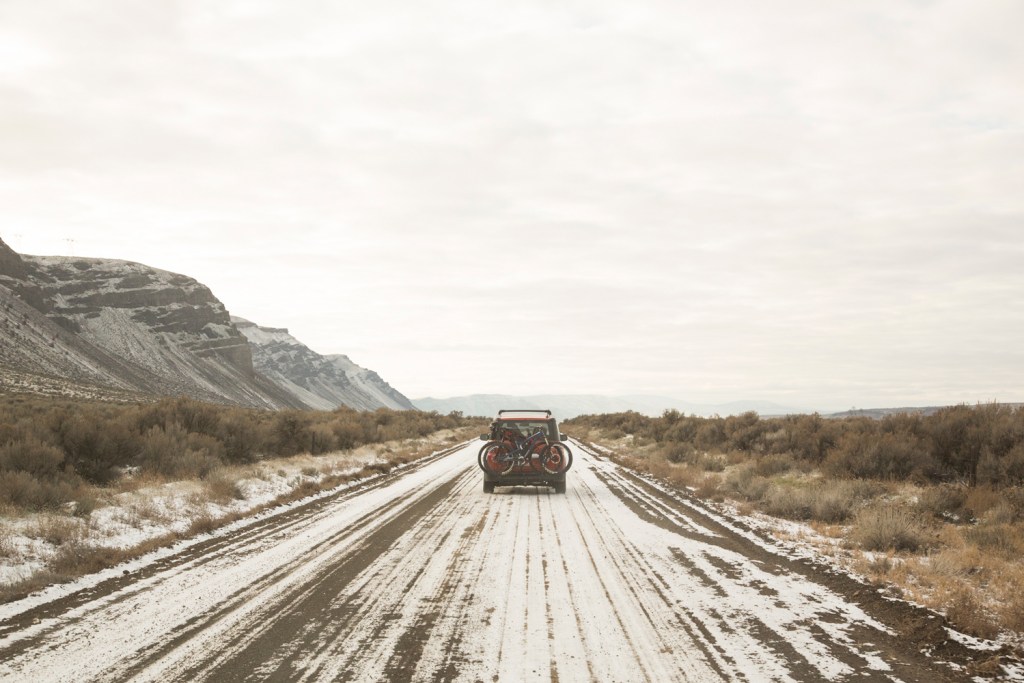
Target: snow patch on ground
801	541
131	518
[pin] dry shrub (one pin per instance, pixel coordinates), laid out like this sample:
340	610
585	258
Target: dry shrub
771	465
1006	469
21	490
77	558
745	483
981	499
708	486
833	503
203	524
1011	614
261	473
711	463
98	441
57	530
946	501
684	477
33	456
881	456
736	457
33	477
48	445
788	502
222	487
677	452
304	489
85	502
967	614
888	528
956	562
7	546
1002	513
881	565
836	503
1002	539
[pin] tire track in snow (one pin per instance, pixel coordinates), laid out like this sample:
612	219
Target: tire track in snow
426	578
805	622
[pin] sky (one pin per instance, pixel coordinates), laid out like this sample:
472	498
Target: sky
814	203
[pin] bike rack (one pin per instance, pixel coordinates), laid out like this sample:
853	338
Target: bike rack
525	410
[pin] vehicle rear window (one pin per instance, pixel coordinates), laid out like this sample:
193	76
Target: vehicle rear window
526	428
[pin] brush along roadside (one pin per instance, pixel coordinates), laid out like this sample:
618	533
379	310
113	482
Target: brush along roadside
952	548
137	515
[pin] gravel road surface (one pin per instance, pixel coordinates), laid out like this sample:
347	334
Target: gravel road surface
421	576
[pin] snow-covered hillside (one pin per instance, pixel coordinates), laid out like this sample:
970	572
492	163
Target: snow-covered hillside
319	381
116	329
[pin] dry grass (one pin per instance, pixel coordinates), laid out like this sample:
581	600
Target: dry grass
954	548
57	530
223	486
138	480
78	558
142	498
1004	540
964	609
141	510
889	528
7	547
203	524
1011	613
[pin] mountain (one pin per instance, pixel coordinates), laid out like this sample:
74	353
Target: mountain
120	330
319	381
566	406
880	413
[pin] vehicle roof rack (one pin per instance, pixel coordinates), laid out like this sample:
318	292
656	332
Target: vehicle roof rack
525	410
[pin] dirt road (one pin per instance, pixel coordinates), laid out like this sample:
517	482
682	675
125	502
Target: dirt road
421	576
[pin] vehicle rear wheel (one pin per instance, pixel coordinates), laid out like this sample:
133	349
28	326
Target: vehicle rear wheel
488	487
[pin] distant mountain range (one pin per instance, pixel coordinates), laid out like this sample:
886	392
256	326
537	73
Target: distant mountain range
566	406
879	413
119	330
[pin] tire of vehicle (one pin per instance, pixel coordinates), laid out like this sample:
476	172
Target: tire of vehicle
559	487
488	487
557	458
496	458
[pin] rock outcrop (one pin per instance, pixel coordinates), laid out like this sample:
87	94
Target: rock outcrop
320	381
109	328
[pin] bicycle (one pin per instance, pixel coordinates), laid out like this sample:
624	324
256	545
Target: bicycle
513	452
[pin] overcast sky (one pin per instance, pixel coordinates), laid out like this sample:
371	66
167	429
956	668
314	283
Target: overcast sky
813	202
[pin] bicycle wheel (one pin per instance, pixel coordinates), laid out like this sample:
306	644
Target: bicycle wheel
556	458
536	457
496	458
480	455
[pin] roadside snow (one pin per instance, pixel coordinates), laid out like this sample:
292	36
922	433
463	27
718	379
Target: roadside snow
134	517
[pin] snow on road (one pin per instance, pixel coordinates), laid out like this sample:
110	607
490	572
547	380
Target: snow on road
424	577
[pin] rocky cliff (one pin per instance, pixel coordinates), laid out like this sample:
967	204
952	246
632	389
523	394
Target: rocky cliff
102	327
320	381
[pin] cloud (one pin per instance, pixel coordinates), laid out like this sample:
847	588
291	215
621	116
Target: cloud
719	200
